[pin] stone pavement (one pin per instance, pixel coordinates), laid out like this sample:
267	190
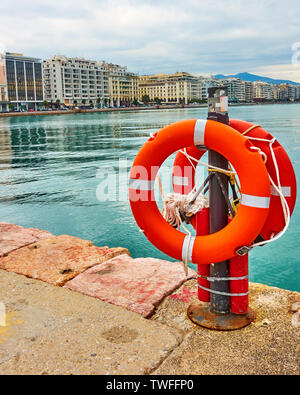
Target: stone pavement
53	330
136	284
13	237
57	259
50	329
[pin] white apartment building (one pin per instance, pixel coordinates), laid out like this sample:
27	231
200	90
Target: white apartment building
75	81
236	89
263	90
293	92
248	87
207	83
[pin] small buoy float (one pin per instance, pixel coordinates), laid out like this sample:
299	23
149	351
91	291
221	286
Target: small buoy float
255	191
185	165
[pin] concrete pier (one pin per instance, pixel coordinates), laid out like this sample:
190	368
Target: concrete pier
87	316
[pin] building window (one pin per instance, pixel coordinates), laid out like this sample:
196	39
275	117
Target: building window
29	80
11	80
21	81
38	81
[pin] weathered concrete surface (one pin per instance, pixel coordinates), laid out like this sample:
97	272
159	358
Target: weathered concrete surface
13	237
270	345
57	259
52	330
137	284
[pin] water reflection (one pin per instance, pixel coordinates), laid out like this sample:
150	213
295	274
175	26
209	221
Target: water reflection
57	162
5	148
100	141
49	164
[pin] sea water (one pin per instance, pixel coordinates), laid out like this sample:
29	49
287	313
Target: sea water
53	170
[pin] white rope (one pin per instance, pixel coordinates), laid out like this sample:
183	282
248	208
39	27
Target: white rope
190	158
222	293
185	263
174	203
265	158
278	189
171	212
205	164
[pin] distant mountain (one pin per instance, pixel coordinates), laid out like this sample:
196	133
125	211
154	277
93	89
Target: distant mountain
253	77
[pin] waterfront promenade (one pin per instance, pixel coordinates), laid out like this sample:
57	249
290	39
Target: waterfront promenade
134	108
74	308
112	109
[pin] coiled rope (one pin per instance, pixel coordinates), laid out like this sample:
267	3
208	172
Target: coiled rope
175	203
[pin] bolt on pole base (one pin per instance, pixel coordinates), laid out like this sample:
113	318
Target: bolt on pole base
200	314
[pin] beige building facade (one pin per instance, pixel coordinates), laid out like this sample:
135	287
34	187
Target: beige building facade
180	87
123	85
263	90
75	82
3	86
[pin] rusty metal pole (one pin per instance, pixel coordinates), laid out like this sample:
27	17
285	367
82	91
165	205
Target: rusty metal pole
217	314
218	111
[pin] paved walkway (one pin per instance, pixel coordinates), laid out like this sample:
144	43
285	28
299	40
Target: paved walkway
53	330
46	328
269	345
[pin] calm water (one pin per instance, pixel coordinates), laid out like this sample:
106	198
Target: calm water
51	167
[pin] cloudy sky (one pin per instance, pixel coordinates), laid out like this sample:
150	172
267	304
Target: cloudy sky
150	36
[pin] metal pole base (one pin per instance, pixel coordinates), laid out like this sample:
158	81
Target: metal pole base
201	315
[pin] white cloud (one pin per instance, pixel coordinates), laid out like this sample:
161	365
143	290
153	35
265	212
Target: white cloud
157	35
279	71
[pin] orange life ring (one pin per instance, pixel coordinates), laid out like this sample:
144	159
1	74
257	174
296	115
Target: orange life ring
255	186
184	174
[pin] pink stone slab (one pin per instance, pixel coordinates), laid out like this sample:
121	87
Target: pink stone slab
13	237
57	259
136	284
